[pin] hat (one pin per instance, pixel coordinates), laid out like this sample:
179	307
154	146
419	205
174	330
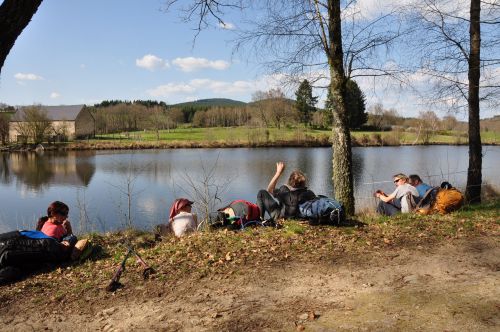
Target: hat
178	205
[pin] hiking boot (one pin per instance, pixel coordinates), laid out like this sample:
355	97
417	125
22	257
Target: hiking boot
334	217
268	222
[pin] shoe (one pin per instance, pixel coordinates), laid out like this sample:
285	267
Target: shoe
334	217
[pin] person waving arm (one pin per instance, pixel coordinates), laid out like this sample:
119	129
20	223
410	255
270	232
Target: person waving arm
280	167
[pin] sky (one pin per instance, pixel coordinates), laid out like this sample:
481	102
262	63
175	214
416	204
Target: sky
84	52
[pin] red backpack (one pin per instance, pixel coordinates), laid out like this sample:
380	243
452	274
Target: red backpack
239	212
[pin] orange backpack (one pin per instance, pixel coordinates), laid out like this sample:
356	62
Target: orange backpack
447	200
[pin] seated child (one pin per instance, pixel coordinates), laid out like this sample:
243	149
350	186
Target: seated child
182	221
57	225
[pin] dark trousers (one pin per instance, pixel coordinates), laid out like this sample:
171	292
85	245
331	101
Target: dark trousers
267	203
389	209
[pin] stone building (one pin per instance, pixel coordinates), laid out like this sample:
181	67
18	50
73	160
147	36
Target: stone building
66	123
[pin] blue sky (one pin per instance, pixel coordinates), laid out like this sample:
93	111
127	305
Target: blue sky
87	51
83	52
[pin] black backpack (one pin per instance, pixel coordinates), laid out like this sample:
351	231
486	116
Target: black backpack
291	199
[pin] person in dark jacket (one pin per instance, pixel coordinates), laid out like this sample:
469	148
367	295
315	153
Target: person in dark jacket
284	202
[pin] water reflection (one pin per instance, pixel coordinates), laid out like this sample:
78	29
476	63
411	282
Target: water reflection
5	177
37	171
94	184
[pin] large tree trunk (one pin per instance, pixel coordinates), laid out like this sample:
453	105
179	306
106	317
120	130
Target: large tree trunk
341	137
14	17
474	177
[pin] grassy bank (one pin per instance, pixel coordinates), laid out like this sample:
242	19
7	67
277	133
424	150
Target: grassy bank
189	137
244	136
223	253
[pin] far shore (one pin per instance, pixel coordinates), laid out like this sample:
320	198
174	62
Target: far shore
141	145
246	137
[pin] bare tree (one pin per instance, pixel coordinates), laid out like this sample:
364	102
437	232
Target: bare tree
429	123
274	108
158	120
205	189
127	189
4	127
305	37
449	122
33	124
459	51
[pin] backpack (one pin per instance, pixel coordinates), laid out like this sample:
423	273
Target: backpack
323	210
447	200
408	203
425	203
238	213
291	199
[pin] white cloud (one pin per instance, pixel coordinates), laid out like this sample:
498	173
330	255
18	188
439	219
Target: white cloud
151	62
191	98
226	26
27	77
214	87
54	95
223	87
190	64
83	66
171	88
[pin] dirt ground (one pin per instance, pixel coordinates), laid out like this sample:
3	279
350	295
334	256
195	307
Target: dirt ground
450	286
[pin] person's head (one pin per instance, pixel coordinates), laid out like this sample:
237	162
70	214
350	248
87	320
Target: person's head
400	179
180	205
297	179
58	210
414	180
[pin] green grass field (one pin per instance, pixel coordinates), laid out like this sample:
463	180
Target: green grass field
217	134
247	135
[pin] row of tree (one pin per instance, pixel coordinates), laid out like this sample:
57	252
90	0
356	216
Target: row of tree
268	109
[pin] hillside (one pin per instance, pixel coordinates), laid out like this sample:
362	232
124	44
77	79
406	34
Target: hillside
212	102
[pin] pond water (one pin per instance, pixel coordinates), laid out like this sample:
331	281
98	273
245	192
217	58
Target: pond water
98	185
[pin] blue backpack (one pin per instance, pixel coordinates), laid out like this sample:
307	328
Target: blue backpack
323	210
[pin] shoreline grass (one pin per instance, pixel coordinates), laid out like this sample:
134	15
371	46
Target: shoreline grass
247	137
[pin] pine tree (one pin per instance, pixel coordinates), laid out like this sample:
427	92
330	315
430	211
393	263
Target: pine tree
305	102
355	104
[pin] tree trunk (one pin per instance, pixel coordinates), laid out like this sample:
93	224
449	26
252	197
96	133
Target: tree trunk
14	17
341	137
474	173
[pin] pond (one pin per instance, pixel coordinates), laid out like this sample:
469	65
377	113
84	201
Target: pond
109	190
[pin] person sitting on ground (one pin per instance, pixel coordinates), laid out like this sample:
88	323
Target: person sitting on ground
284	202
182	221
417	182
390	205
57	225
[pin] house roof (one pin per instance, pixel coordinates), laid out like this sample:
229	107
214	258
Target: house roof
54	113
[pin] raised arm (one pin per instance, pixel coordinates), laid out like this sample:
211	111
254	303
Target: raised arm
280	167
